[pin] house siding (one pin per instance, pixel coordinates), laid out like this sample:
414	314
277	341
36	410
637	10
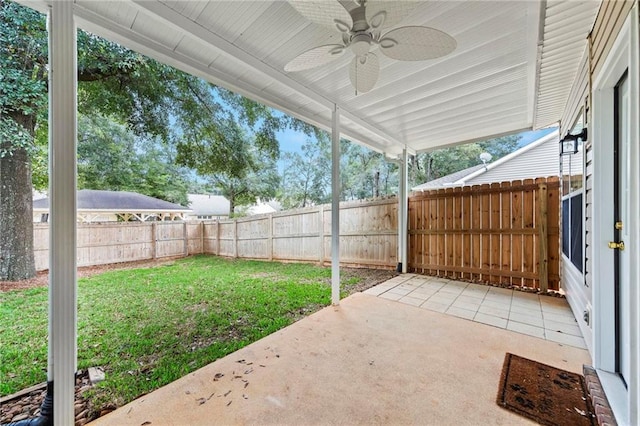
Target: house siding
606	28
541	161
577	289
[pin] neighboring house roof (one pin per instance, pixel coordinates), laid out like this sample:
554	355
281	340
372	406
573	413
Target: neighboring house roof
208	205
537	159
261	208
38	195
275	204
91	199
447	180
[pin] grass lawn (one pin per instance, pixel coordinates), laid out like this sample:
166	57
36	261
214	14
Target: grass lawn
148	327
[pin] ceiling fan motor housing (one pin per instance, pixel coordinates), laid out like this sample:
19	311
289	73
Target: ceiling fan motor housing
360	44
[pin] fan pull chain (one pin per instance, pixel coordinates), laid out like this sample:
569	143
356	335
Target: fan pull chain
357	77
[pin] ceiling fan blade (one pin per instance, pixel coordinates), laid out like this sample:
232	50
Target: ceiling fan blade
315	57
416	43
363	72
328	13
385	14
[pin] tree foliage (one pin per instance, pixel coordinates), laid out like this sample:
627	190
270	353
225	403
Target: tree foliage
110	157
250	170
366	173
306	175
23	60
260	182
432	165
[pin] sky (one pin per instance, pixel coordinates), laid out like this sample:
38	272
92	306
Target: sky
290	140
527	137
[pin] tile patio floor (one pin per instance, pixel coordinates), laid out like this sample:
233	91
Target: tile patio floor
545	317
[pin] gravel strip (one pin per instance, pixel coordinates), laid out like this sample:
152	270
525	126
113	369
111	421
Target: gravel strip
28	405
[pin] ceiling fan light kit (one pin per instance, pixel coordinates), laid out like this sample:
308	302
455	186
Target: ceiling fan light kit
361	23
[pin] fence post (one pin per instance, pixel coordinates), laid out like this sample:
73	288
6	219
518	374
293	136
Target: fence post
154	240
270	238
321	233
543	251
201	237
218	237
235	237
185	235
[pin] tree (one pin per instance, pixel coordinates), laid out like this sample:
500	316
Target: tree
111	157
363	173
306	176
261	182
250	171
432	165
23	94
154	100
366	173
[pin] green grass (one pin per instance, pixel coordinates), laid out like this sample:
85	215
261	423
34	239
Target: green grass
148	327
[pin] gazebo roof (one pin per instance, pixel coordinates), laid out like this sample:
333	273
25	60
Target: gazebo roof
120	201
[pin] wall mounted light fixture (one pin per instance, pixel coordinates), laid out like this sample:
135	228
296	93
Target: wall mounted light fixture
569	144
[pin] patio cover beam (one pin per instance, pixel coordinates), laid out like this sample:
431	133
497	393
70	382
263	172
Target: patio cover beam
402	214
62	191
335	206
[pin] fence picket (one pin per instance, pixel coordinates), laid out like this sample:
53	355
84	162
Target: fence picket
448	237
517	240
476	238
528	219
485	242
496	216
506	230
457	226
553	212
465	223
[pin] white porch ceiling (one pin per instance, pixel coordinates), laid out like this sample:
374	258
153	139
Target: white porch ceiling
512	70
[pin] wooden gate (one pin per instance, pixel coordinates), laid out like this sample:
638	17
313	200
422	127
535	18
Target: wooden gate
501	233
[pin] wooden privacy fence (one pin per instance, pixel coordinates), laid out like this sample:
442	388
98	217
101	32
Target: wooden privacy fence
114	242
368	237
504	233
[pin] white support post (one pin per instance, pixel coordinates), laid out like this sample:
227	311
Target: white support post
62	196
402	213
335	206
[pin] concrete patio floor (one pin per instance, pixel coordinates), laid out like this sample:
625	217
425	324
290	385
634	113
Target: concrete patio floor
368	361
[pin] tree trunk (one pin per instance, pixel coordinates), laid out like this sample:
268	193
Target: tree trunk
376	184
232	205
16	212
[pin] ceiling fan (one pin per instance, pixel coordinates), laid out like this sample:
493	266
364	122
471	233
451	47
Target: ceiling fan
361	24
